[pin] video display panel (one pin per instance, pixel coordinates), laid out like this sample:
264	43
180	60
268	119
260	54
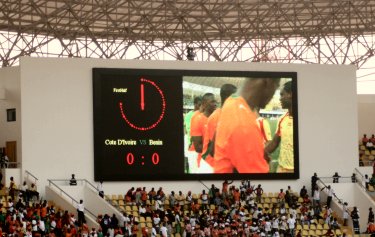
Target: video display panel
194	125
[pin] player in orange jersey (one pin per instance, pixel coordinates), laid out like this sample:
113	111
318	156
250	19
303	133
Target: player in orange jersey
226	90
239	144
198	122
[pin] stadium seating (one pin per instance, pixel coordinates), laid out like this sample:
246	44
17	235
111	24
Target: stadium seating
318	228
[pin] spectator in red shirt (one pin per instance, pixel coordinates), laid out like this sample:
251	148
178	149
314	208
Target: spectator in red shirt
372	139
364	139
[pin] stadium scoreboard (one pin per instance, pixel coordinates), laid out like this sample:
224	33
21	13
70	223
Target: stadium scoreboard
139	131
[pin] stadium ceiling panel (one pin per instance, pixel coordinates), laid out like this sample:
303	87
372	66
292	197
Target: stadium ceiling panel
288	31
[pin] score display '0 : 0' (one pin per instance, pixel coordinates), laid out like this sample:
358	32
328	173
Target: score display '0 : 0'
154	158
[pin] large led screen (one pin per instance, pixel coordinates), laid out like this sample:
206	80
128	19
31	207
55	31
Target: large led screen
194	125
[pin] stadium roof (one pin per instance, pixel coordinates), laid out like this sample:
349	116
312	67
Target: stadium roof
188	20
280	31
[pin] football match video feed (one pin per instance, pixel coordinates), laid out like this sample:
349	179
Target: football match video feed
194	125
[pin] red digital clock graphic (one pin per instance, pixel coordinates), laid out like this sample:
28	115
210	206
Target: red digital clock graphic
138	125
144	105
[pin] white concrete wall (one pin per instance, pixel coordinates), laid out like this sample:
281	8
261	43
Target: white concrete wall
75	192
366	170
91	199
15	173
57	122
98	205
11	131
64	202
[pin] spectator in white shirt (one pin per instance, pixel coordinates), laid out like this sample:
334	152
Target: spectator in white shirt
275	224
23	191
153	231
81	214
369	145
366	181
164	230
156	220
316	197
142	210
41	226
291	224
330	193
267	226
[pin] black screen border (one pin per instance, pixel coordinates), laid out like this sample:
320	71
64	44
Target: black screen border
98	72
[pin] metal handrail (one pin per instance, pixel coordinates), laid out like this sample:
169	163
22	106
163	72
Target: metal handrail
361	180
331	177
28	173
340	200
93	186
78	180
109	201
358	172
341	179
204	184
51	182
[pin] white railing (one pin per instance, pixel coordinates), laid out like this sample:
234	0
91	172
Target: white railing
72	200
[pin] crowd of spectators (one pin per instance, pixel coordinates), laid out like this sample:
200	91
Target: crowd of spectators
229	211
246	210
37	218
367	150
368	142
